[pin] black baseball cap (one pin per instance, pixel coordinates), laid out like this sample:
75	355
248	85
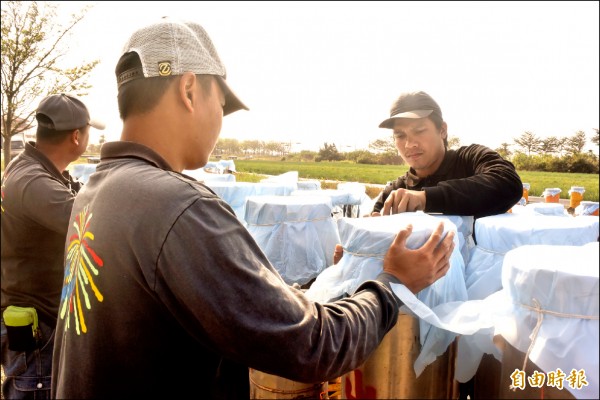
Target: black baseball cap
412	105
65	113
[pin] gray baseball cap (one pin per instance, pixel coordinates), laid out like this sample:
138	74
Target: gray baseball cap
172	47
412	105
66	113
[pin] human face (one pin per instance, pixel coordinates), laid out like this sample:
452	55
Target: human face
80	138
85	138
420	144
209	113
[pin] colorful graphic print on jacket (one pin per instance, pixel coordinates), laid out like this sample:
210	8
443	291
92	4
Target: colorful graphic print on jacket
82	265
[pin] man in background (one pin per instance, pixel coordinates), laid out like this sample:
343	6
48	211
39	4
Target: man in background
37	197
472	180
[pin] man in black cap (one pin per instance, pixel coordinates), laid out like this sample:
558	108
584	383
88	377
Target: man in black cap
37	198
472	180
166	294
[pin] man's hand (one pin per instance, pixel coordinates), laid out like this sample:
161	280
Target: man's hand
419	268
404	200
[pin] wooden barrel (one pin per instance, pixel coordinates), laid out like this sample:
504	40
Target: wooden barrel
512	359
389	372
267	386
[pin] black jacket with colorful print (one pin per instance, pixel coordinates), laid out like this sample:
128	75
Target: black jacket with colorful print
168	295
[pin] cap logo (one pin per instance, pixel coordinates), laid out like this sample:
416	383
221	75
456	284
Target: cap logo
164	68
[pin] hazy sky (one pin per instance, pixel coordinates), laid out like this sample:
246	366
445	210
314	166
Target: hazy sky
315	72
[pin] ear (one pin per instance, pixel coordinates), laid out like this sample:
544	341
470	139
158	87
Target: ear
187	90
444	130
75	137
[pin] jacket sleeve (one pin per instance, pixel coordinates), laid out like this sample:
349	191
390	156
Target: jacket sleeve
218	284
491	185
389	187
58	202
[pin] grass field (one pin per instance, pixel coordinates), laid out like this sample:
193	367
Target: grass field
380	174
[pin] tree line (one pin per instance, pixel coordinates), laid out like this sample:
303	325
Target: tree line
552	154
531	153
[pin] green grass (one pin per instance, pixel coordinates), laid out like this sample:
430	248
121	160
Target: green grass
336	171
254	171
539	181
380	174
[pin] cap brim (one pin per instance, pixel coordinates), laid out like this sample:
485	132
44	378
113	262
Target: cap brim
94	123
389	123
232	102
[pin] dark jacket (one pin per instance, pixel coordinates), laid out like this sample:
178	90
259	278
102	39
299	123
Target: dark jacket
36	205
167	295
473	180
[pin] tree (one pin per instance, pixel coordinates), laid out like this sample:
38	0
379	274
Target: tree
274	148
453	142
596	138
227	146
549	145
33	43
576	143
252	147
328	152
360	157
504	150
383	146
528	141
561	145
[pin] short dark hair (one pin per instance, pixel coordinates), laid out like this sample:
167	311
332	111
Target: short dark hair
48	135
437	121
139	96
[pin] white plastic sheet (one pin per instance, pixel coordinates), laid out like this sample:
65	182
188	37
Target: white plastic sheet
201	175
237	193
338	197
365	242
290	177
297	234
548	309
309	184
364	204
227	166
588	208
465	225
540	209
497	234
82	172
554	298
219	167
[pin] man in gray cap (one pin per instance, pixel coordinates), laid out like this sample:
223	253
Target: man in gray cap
37	197
472	180
166	294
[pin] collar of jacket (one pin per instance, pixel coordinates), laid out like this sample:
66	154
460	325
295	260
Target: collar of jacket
413	180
